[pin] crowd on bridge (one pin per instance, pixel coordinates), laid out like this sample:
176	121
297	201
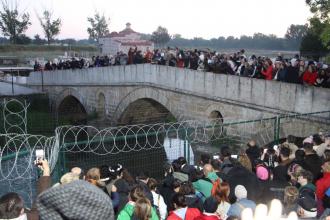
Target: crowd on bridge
291	70
297	172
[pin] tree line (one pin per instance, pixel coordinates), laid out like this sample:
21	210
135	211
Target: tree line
311	38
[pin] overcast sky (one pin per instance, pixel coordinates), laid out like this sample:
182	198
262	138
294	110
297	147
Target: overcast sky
190	18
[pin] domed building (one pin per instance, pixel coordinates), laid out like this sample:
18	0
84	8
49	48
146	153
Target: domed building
122	41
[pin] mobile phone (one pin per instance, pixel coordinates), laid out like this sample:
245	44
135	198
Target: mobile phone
216	157
40	155
234	156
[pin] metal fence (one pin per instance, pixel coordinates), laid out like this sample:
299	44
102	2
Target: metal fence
140	147
148	147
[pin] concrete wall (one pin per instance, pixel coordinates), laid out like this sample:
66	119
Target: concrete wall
253	92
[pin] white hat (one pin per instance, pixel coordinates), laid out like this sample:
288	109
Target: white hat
240	192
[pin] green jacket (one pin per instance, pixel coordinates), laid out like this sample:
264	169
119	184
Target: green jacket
309	186
205	186
127	213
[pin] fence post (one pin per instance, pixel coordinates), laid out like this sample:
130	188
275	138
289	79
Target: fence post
277	122
185	150
188	151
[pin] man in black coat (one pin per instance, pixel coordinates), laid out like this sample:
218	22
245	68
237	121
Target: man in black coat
238	175
292	75
312	161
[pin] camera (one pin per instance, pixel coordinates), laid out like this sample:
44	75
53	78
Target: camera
216	157
40	155
234	156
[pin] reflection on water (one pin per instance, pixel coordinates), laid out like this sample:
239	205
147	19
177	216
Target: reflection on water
175	147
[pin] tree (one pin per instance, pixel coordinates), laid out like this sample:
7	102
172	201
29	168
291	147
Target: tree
37	40
160	37
295	34
321	8
51	27
325	36
12	23
99	27
23	39
312	47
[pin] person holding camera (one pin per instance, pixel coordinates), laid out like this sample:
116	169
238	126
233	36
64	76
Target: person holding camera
12	205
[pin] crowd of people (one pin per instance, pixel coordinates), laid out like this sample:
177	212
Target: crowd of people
294	70
221	186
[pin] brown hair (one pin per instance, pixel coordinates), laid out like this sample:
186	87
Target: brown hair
186	188
93	176
136	193
152	184
11	206
291	194
142	210
326	166
220	191
244	160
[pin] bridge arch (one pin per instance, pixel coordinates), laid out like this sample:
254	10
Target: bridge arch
216	112
216	115
144	103
70	106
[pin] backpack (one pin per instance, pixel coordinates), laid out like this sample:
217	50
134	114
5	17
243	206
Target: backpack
307	192
215	184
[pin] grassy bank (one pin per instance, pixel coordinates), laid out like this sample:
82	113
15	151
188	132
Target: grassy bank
45	51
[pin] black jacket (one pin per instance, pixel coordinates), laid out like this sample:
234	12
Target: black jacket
166	190
313	163
239	175
292	75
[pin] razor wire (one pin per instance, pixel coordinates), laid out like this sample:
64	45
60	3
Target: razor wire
14	116
138	137
17	151
16	146
18	172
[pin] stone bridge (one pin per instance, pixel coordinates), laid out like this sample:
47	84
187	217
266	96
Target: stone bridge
148	93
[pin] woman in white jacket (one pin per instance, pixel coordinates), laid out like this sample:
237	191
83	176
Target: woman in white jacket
159	203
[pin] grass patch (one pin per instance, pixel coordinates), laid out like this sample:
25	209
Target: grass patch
45	48
28	52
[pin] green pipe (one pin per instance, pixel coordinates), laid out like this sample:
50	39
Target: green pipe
13	155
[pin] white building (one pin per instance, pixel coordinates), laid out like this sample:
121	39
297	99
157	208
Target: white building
122	41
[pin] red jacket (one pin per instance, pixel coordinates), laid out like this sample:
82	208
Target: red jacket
322	185
268	73
191	214
309	78
207	217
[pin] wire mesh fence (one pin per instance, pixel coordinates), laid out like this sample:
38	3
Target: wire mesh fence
138	147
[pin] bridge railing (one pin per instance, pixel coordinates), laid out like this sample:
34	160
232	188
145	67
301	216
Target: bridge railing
260	93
